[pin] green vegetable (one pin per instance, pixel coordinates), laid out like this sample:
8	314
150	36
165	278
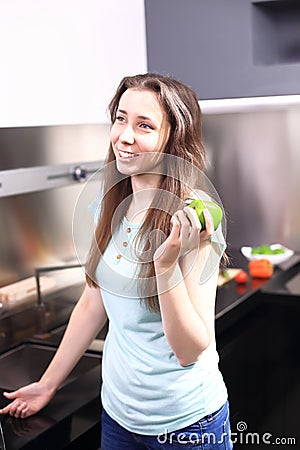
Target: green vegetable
214	209
266	250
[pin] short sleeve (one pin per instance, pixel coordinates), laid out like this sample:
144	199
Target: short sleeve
218	242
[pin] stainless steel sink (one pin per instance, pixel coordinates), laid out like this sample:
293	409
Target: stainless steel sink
26	363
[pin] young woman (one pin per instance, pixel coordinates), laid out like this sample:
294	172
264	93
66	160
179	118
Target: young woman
152	272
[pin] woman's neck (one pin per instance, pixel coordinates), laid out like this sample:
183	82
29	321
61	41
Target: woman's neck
144	188
145	181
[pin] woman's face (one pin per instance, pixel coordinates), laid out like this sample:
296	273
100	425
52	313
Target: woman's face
139	133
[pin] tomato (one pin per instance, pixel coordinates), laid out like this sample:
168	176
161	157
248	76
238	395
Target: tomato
241	289
241	277
261	268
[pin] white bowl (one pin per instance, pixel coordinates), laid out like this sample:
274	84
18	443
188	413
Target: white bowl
275	259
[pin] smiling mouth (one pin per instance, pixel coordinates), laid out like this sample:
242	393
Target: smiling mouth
126	155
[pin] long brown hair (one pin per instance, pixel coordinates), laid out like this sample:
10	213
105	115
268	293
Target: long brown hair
185	144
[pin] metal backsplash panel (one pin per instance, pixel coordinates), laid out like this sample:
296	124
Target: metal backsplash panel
36	227
39	146
254	163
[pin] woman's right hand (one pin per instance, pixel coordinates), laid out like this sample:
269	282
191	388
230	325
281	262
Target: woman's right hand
27	400
184	237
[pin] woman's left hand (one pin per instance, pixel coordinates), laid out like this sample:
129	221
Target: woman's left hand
185	236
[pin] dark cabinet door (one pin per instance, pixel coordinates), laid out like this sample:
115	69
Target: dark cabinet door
260	362
226	49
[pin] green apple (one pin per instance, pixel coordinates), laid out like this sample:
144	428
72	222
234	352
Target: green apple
213	208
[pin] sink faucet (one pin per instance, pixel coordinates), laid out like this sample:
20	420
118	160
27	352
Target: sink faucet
40	270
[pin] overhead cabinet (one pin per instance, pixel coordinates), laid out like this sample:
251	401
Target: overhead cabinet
237	48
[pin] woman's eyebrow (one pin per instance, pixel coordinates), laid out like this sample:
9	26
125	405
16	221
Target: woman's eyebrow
122	111
139	117
145	118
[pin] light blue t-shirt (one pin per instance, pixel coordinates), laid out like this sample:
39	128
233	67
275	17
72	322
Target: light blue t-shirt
145	389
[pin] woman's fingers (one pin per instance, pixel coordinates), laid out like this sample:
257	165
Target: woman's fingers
12	408
19	409
175	224
196	227
185	225
209	223
11	395
193	218
184	235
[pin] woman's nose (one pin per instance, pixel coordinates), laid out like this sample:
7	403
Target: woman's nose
127	136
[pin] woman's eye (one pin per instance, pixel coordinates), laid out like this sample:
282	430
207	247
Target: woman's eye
146	126
120	118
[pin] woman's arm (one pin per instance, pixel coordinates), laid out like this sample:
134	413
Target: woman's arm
87	319
187	307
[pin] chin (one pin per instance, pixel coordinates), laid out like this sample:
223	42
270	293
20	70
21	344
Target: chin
126	169
144	163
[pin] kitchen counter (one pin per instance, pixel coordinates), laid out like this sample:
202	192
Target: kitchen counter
72	419
259	359
284	282
231	294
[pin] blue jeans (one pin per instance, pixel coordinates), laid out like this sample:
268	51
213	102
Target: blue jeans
210	433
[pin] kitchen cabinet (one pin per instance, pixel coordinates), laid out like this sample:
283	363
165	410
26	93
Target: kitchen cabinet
237	48
259	359
62	61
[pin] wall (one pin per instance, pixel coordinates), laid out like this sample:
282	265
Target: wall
254	162
61	60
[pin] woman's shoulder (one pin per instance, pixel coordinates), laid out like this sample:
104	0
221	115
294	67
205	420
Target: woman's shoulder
197	194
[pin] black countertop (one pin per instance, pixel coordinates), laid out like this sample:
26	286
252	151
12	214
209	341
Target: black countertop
72	419
284	282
